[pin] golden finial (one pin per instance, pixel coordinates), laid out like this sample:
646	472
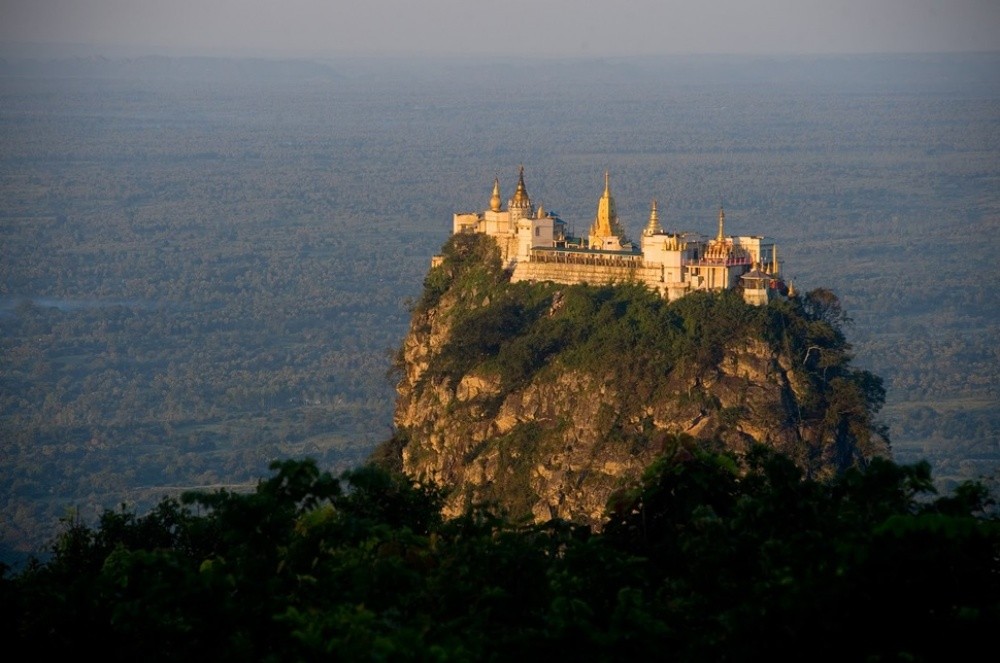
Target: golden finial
606	222
495	201
653	227
520	198
791	289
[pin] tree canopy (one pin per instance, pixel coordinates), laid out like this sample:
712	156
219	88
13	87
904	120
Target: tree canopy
706	559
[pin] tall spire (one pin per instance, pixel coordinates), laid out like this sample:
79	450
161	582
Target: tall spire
606	232
722	224
521	191
653	227
495	201
606	221
520	204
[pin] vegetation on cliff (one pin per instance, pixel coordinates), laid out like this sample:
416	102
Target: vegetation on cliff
497	380
704	560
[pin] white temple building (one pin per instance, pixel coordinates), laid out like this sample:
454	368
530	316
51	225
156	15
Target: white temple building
534	245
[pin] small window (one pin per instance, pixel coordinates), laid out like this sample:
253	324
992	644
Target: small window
538	231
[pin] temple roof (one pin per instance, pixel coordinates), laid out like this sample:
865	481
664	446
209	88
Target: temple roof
653	227
520	200
606	222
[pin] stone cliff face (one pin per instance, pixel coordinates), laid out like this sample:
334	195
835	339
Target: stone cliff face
546	399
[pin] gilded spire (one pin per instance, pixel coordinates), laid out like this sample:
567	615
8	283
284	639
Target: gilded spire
653	227
606	232
520	201
606	221
495	198
720	248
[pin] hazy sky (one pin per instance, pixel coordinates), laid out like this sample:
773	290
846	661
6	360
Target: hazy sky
510	27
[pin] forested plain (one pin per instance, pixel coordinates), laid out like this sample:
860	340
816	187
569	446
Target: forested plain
206	265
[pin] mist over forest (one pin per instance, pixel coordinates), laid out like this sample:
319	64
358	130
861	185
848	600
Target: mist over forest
205	265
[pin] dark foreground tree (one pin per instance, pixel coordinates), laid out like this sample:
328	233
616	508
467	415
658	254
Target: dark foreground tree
706	560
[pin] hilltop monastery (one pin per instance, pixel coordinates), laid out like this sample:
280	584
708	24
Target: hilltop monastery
534	245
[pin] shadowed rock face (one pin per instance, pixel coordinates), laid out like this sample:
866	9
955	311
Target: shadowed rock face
546	399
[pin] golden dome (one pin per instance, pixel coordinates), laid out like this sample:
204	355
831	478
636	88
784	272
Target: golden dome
495	198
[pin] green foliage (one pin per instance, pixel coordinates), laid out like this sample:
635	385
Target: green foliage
824	306
629	339
768	564
705	560
523	328
511	494
713	320
470	262
842	399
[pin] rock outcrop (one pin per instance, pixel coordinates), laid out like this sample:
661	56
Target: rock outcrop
545	399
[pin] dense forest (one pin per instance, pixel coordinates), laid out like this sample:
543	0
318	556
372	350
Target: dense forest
207	265
704	559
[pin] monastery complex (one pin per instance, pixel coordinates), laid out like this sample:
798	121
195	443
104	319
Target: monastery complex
534	245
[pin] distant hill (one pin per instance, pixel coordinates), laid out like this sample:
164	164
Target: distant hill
162	67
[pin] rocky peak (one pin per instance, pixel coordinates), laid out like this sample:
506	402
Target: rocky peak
546	399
